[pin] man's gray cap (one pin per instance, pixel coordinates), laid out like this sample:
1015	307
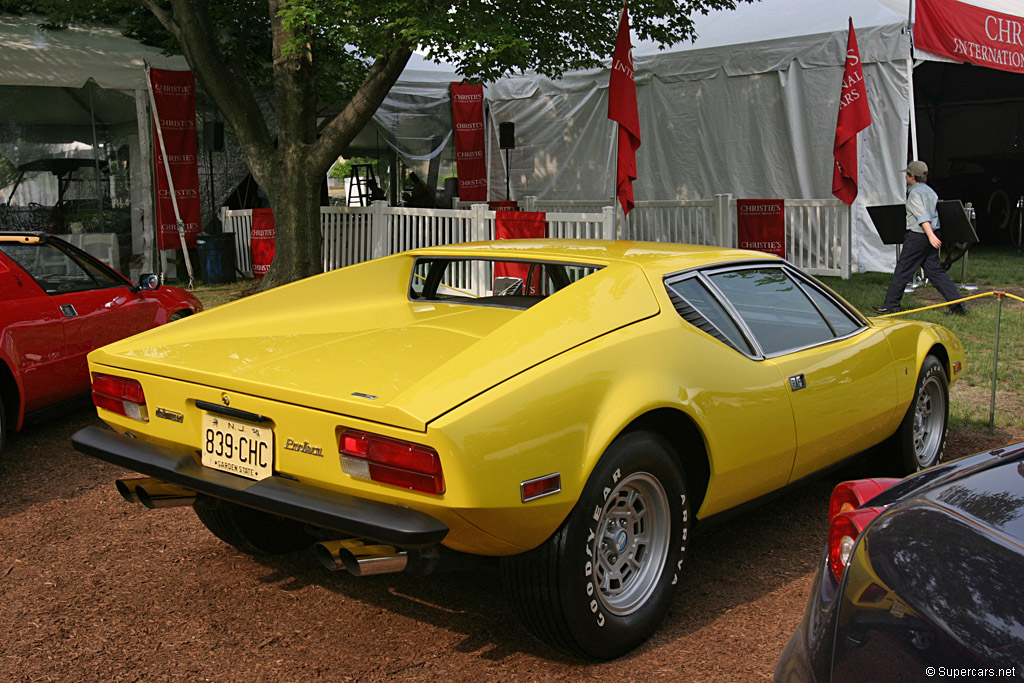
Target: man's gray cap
917	169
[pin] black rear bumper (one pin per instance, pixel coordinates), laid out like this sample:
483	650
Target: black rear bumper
391	524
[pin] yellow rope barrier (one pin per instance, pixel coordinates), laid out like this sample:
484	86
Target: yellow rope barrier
951	303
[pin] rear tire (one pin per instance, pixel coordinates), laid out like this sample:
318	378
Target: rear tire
921	437
603	582
178	315
254	532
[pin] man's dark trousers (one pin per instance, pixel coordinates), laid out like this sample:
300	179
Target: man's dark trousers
918	252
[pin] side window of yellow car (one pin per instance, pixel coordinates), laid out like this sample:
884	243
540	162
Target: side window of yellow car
699	307
782	314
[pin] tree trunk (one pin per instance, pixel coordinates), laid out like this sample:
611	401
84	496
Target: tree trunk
291	168
294	195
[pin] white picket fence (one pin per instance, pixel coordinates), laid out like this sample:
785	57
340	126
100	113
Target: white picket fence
817	231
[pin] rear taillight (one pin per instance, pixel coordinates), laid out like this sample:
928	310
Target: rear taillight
119	395
391	461
851	495
847	519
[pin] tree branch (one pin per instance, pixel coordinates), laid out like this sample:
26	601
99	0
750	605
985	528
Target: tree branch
346	125
190	24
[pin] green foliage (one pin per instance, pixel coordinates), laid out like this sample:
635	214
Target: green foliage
342	169
485	38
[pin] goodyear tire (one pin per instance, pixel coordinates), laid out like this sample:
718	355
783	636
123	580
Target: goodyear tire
252	531
922	434
605	579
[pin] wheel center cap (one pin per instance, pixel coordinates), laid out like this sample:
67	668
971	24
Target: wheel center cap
621	539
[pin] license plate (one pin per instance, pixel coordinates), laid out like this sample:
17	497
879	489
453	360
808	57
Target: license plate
238	447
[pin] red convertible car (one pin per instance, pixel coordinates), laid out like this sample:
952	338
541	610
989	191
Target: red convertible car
58	303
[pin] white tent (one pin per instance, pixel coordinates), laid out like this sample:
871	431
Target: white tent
80	89
748	109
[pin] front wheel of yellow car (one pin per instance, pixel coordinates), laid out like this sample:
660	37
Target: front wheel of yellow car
922	435
605	579
252	531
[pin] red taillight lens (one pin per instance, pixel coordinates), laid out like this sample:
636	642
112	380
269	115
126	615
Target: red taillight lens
847	519
119	395
851	495
843	532
391	461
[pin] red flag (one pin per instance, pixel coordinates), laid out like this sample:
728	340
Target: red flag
622	108
854	116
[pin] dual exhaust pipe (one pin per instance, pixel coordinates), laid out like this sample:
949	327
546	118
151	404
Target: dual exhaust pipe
360	559
350	554
154	493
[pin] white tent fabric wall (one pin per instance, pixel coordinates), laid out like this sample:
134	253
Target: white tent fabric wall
754	117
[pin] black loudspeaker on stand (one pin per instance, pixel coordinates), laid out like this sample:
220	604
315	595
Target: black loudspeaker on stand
507	135
507	142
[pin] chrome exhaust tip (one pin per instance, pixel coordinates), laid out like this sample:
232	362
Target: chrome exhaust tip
127	488
359	559
154	493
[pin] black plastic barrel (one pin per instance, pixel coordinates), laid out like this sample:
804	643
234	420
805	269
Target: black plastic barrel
216	258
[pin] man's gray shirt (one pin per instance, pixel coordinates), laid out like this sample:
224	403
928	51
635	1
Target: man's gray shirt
922	205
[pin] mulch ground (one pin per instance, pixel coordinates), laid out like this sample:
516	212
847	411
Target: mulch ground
98	589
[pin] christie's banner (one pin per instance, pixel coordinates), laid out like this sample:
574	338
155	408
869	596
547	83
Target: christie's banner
263	242
970	34
762	225
175	95
470	154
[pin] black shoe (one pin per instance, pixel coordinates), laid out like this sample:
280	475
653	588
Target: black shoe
957	309
882	310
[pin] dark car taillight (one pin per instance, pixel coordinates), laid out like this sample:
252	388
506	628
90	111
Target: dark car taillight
847	518
120	395
391	461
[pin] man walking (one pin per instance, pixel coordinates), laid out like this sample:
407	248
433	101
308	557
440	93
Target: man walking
920	245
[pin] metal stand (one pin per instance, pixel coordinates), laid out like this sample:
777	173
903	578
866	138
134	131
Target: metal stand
1020	225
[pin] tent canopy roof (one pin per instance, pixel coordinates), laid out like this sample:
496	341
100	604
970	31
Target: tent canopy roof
68	58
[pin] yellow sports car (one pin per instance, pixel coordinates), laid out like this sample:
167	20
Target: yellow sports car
572	407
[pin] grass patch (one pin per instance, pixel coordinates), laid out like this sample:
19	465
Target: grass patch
991	269
215	295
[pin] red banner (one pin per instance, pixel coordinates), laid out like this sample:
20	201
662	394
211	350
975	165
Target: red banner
622	107
854	116
470	154
970	34
518	225
762	225
263	243
175	95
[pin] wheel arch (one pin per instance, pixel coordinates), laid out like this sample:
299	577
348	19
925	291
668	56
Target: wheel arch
11	393
938	350
687	441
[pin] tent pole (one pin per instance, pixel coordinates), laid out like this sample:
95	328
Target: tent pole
96	162
910	81
615	180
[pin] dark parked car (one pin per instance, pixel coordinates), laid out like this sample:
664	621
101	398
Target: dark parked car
921	579
58	303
